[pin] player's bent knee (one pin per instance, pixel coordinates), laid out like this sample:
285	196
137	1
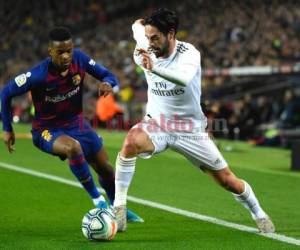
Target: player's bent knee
73	148
131	146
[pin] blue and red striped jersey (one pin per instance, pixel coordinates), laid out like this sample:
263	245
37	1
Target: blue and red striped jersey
57	99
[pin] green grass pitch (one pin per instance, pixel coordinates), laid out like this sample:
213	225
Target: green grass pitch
37	213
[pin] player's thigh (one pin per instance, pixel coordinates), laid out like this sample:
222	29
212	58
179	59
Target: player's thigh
44	140
150	138
199	149
66	146
90	142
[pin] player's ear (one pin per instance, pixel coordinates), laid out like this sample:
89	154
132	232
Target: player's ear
171	34
49	50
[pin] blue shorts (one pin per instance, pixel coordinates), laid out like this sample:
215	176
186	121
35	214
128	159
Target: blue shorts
90	142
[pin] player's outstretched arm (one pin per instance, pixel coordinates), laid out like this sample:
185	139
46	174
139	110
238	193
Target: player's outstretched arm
105	89
103	75
6	113
181	76
138	30
99	72
18	86
178	77
12	88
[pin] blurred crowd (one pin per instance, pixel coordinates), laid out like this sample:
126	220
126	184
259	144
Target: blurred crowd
249	117
227	33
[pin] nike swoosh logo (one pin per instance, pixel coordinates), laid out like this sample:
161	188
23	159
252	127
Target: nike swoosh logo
49	89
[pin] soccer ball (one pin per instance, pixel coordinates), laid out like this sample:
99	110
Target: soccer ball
99	224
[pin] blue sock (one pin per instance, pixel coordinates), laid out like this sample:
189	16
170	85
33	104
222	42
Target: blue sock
108	185
80	169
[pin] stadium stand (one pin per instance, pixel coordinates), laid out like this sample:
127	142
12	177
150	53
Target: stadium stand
229	34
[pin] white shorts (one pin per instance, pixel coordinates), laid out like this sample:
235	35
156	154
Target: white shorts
197	147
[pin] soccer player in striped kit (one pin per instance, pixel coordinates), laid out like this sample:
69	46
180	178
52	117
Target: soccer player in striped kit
58	128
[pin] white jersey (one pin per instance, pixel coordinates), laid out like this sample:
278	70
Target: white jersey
167	99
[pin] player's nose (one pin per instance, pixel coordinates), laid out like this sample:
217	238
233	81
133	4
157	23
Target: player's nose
151	44
66	56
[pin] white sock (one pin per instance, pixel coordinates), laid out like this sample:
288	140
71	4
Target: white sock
250	202
100	198
125	168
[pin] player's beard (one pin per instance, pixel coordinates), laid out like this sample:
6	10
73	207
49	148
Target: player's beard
162	51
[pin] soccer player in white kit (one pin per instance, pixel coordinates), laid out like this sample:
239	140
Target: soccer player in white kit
174	118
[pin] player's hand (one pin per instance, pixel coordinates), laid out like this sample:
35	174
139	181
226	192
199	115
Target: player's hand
139	21
9	140
105	89
147	62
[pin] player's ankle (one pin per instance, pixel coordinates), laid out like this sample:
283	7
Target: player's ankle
98	199
120	200
259	215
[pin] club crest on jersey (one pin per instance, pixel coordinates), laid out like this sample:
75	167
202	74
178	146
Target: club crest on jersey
47	135
76	79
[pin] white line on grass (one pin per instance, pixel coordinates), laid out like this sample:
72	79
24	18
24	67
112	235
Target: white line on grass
174	210
178	156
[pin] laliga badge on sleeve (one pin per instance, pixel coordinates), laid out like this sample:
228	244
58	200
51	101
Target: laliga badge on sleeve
92	62
22	79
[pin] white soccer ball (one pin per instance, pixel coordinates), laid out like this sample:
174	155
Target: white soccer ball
99	224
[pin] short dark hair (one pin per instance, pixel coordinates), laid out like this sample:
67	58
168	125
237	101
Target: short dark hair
163	19
60	34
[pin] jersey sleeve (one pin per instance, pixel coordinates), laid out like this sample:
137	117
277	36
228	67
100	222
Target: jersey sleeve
98	71
141	41
191	63
139	36
15	87
187	67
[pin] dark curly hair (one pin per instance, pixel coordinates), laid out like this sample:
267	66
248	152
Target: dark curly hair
60	34
164	20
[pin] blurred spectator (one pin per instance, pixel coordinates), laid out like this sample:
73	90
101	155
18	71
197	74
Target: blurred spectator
107	108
